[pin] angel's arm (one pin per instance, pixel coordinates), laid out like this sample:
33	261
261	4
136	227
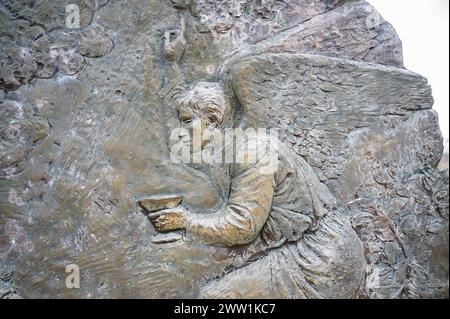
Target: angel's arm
245	214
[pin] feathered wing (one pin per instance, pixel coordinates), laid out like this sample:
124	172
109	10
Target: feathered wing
369	134
319	105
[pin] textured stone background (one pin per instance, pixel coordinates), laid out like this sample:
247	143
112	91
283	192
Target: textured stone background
84	131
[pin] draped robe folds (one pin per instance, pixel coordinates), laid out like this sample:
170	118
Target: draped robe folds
295	237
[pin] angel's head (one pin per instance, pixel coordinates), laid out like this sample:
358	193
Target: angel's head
205	102
204	107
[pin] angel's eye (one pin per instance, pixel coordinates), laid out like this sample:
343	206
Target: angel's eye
212	119
187	120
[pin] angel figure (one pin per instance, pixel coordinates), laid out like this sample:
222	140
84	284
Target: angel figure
295	242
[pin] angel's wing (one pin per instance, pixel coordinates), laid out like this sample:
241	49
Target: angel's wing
369	133
321	104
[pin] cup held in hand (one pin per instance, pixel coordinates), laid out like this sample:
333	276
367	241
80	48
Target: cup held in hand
159	202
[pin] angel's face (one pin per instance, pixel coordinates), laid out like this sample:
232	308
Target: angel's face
203	109
197	125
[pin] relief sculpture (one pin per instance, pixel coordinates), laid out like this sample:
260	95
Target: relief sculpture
216	149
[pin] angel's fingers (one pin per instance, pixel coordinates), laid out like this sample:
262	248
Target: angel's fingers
155	215
176	210
159	224
162	219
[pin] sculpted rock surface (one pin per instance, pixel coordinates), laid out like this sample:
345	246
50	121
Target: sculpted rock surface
354	208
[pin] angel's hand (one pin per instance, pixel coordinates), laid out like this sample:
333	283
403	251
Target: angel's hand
174	44
169	219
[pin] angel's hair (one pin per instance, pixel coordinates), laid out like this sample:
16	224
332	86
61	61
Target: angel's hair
207	100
